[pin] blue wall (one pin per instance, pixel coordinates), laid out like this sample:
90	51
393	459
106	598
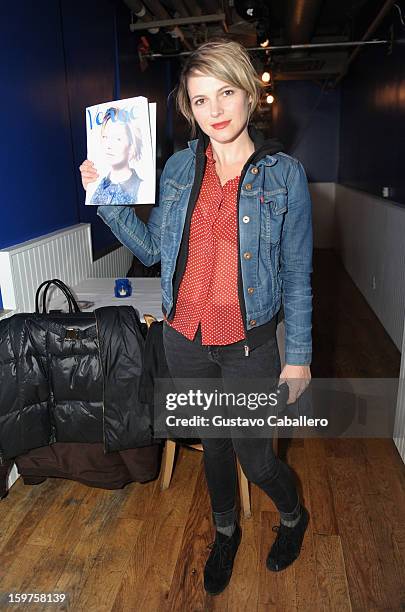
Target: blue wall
57	58
60	56
306	120
372	142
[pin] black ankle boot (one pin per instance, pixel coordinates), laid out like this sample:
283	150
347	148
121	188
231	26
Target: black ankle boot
287	545
219	565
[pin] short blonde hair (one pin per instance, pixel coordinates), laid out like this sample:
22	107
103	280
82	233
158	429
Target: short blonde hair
226	60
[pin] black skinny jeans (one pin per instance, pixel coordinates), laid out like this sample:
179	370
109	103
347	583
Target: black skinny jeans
190	359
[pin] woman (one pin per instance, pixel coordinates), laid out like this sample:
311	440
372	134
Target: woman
234	234
121	185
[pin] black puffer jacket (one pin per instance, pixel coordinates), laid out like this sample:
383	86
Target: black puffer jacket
55	389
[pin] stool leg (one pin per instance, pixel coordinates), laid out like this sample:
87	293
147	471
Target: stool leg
244	493
4	471
167	463
275	443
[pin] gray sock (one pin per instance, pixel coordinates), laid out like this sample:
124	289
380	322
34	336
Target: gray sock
225	522
228	531
291	519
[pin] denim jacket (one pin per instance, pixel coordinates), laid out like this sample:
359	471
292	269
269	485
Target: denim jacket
275	238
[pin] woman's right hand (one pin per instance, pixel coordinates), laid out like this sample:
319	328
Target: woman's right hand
88	172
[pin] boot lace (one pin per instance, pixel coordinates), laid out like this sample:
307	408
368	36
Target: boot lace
283	540
220	553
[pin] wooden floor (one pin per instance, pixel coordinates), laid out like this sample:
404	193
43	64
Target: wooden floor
141	549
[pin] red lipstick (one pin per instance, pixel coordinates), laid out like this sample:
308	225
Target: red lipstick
222	125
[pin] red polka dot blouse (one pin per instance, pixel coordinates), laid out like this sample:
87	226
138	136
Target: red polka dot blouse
208	292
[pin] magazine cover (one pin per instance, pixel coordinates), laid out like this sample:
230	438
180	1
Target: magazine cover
121	142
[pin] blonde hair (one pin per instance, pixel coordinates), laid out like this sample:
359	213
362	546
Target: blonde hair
226	60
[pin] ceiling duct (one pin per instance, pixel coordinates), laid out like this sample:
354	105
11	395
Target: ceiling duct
193	8
301	20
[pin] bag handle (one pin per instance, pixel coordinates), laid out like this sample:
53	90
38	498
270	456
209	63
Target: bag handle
73	305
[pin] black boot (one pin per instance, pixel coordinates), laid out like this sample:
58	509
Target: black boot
287	545
219	565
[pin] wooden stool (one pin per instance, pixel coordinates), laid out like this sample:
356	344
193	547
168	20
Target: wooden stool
167	471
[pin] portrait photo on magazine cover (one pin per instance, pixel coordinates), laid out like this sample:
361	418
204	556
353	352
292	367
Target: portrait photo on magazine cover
120	144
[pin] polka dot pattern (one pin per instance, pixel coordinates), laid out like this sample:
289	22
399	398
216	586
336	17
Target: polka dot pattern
208	293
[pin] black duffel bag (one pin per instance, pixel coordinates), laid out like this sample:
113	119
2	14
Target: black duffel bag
71	377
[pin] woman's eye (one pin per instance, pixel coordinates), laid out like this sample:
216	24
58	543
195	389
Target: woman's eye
230	91
197	102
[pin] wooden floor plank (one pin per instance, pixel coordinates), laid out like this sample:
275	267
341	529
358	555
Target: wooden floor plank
307	591
97	526
320	496
187	592
103	582
277	590
24	518
363	568
148	500
149	571
244	590
141	548
331	574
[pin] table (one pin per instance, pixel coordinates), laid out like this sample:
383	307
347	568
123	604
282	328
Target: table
146	295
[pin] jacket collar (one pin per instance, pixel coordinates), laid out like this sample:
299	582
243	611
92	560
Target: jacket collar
262	146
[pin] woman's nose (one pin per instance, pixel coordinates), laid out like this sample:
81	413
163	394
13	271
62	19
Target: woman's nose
216	109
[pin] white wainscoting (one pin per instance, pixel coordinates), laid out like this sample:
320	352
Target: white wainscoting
114	264
65	254
399	430
370	237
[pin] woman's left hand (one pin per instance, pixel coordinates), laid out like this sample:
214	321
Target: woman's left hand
297	378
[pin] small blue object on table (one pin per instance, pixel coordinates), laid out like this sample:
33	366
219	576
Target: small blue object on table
123	288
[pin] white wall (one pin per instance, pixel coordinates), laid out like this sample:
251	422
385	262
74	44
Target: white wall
370	237
369	234
399	430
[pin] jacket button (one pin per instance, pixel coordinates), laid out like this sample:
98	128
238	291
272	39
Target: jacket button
250	290
252	322
254	170
247	255
248	186
245	219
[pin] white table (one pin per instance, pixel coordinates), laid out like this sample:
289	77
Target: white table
146	298
146	295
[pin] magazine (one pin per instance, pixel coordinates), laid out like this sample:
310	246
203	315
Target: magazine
121	142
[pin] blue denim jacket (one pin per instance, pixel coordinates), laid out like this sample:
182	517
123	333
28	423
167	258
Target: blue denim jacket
275	240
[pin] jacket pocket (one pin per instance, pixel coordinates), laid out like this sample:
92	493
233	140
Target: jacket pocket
273	209
172	201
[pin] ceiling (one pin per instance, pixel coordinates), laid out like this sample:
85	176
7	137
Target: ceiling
164	29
